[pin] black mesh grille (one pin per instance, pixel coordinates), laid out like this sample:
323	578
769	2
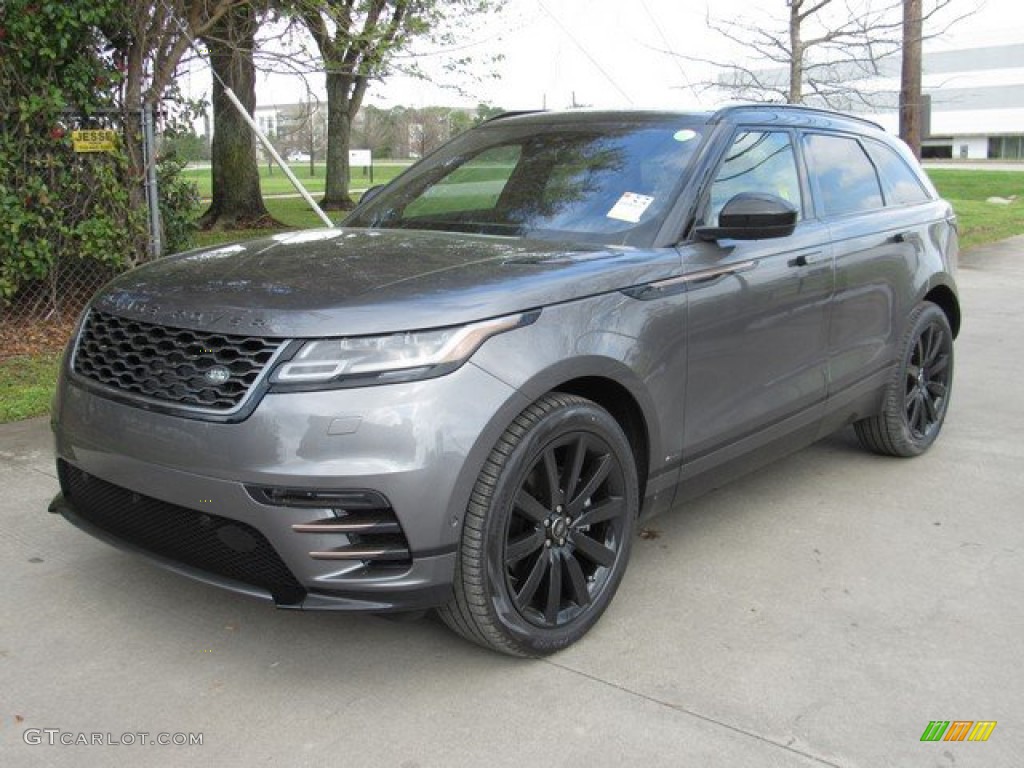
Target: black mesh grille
193	368
198	539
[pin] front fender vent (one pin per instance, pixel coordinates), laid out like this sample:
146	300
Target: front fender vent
364	523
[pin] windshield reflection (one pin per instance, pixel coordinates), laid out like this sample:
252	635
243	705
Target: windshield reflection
608	182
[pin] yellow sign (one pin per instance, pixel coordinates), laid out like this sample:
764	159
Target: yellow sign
94	140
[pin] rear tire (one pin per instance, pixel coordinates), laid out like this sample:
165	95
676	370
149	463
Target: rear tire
917	397
548	530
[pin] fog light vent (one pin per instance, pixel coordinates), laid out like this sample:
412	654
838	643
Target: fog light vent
367	528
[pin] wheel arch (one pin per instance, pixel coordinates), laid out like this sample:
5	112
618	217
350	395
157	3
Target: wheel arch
607	382
619	390
624	408
945	298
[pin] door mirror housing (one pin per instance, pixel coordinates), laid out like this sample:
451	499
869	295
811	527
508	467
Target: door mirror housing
752	216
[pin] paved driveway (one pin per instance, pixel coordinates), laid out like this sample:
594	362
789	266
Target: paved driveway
818	613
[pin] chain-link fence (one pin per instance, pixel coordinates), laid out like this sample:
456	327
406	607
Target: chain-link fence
39	317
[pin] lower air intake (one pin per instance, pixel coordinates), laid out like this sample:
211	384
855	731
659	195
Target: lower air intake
206	542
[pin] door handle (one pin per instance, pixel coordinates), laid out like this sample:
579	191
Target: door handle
804	259
898	238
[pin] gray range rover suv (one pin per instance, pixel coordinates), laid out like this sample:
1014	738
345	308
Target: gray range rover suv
464	397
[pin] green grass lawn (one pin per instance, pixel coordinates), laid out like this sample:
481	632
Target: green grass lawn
26	383
982	222
274	182
293	212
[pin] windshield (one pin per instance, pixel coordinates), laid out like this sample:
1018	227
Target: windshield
600	182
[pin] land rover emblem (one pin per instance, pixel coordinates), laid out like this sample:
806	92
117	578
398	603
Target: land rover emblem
218	374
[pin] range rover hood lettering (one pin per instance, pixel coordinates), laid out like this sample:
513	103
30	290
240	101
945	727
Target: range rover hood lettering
358	282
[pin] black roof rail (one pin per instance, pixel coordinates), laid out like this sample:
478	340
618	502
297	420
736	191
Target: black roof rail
513	113
755	107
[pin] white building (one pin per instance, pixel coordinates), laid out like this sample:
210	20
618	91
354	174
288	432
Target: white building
977	102
974	100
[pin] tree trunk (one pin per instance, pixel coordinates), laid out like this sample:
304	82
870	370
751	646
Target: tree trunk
132	118
339	133
796	58
910	85
236	201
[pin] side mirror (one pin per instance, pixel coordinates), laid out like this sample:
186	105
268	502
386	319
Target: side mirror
752	216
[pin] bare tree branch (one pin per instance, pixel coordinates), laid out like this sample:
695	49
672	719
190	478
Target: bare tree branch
823	51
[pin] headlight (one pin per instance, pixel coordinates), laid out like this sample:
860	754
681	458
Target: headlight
363	360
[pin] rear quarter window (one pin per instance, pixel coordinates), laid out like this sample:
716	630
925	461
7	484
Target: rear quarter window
899	182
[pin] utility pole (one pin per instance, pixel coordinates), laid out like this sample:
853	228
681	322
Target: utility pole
910	85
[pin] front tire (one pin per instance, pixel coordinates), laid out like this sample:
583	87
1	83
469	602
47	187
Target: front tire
548	530
917	397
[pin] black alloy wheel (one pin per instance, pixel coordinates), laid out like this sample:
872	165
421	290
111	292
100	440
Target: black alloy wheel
548	530
565	529
917	398
928	378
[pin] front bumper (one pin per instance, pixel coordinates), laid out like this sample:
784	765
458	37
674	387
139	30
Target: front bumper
180	491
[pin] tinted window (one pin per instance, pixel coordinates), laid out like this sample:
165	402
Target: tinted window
846	177
609	182
757	161
474	186
900	184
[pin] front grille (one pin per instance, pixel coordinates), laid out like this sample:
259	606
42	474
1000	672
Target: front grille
201	540
174	365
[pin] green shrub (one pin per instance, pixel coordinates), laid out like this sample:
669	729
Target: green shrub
179	198
61	210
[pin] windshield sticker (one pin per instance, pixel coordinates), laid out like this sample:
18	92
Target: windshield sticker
685	135
630	207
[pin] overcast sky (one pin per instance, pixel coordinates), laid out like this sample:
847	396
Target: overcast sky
609	53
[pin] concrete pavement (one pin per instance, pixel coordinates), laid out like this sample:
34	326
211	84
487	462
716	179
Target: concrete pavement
818	613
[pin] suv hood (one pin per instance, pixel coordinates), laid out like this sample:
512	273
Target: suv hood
346	282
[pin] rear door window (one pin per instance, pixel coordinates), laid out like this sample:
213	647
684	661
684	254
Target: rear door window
845	176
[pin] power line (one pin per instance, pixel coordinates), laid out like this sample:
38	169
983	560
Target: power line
244	114
586	53
671	51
